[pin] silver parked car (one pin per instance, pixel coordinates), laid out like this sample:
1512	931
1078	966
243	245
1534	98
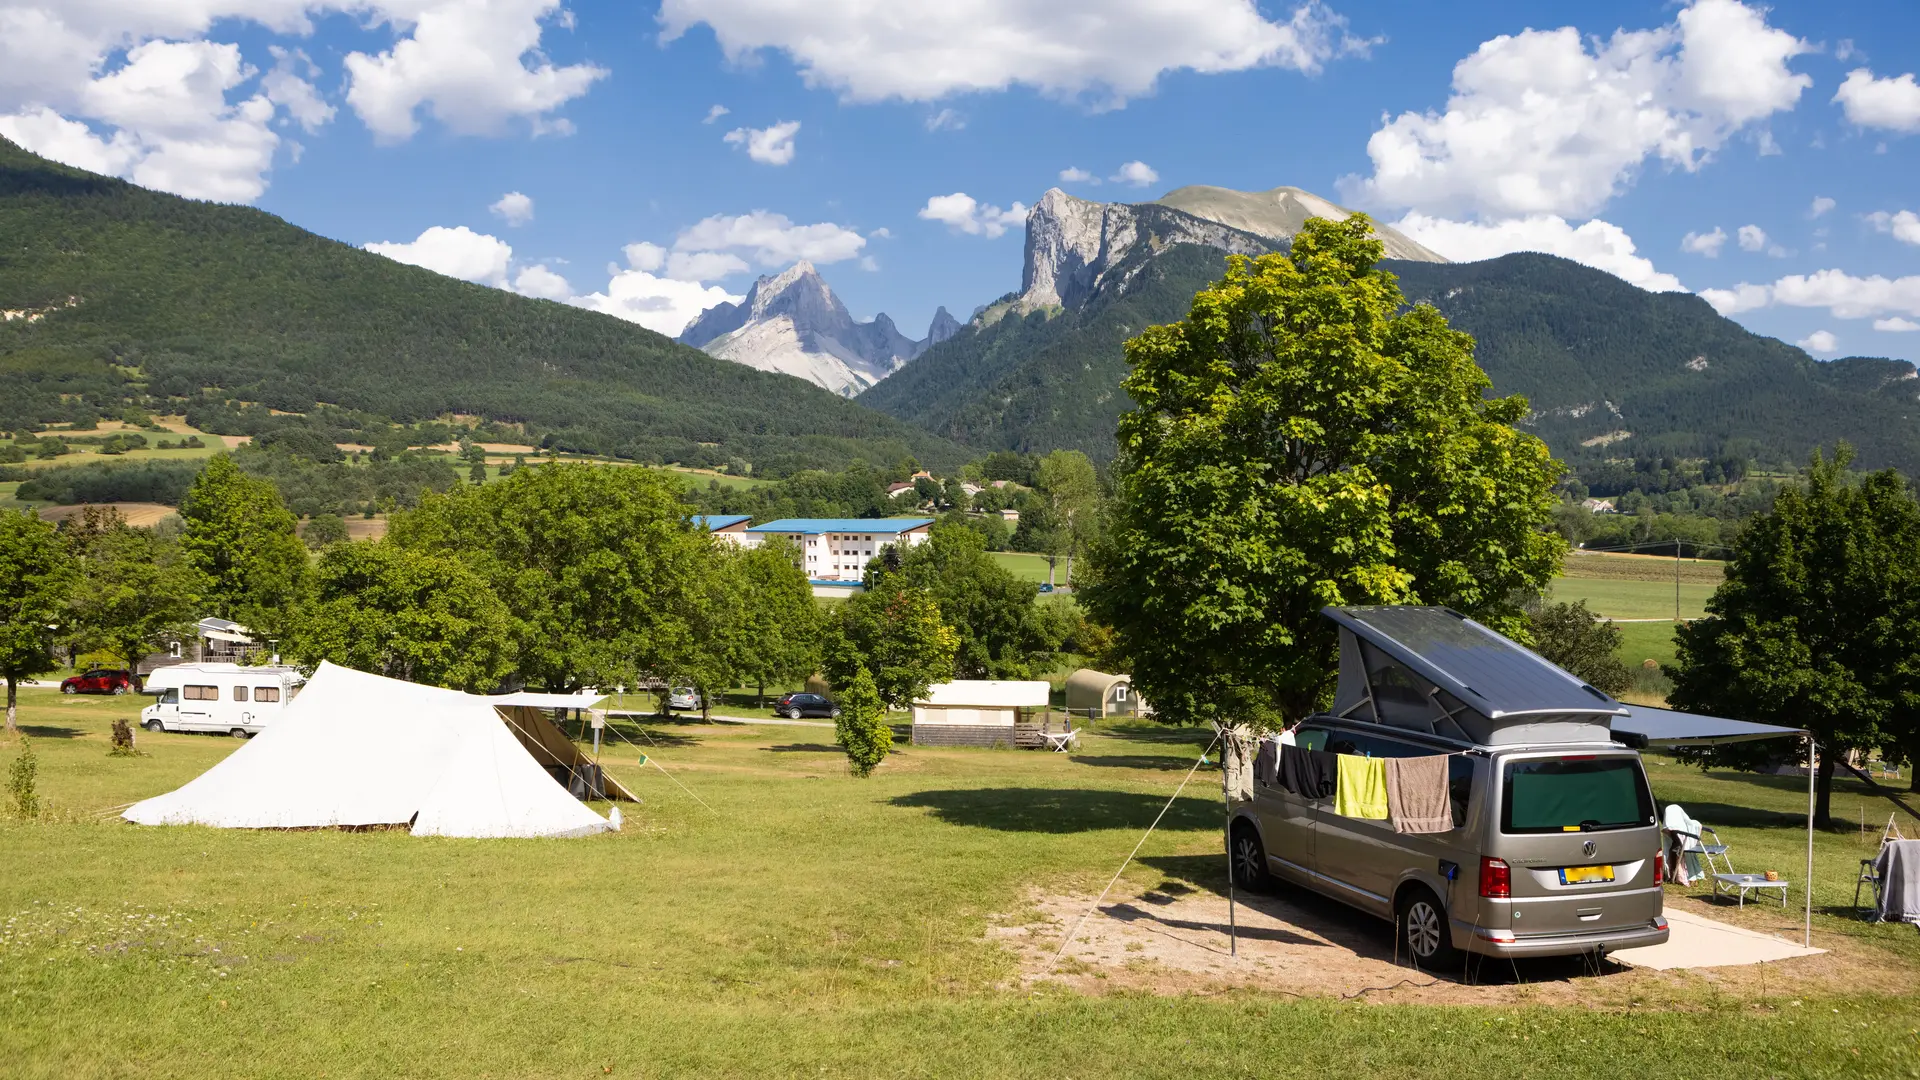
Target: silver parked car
1554	847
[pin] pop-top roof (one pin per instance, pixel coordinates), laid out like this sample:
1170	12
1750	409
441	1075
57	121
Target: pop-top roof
716	522
1494	675
814	526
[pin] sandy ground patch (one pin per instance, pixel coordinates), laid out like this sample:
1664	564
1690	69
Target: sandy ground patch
1172	939
361	528
136	513
234	441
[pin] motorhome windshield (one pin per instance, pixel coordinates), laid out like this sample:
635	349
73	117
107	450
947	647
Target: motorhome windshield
1576	793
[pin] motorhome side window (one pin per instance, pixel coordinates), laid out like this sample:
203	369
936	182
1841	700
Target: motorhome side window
201	693
266	693
171	697
239	693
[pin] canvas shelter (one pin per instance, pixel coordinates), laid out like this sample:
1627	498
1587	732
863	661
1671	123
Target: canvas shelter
1435	670
1097	694
976	712
355	749
530	715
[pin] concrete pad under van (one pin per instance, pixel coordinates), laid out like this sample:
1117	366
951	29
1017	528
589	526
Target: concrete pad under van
1695	941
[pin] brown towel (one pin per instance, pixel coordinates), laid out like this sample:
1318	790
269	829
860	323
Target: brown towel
1417	798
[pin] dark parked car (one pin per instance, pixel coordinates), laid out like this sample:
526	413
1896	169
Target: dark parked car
100	681
795	706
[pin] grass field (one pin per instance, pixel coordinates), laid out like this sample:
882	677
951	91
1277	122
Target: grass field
1633	599
1028	567
807	924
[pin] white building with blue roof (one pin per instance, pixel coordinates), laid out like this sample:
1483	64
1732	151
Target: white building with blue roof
834	551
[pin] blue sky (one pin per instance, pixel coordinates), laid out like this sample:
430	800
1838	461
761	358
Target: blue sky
1763	157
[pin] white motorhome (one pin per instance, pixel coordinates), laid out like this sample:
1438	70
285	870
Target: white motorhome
232	698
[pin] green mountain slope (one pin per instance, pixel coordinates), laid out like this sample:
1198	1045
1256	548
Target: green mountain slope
1595	356
125	296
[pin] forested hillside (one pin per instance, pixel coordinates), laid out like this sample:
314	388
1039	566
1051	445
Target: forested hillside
121	297
1610	370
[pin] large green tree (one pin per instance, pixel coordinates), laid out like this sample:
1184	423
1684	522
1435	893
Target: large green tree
1067	482
242	537
895	634
1303	439
407	614
1001	633
135	590
36	580
779	620
1582	643
1815	623
597	564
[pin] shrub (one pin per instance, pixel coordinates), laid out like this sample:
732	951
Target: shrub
21	782
122	739
861	728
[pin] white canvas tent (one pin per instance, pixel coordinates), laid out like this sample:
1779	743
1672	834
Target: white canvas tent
356	749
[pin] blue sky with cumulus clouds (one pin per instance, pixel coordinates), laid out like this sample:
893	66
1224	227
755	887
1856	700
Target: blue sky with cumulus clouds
650	159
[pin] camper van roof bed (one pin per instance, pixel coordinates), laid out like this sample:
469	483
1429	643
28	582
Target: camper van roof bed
1498	677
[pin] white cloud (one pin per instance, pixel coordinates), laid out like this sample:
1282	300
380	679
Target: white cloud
1891	103
287	87
1538	123
1073	174
457	252
71	142
1905	225
769	145
715	113
1111	50
881	233
1742	297
1752	238
1599	244
1820	341
946	120
962	213
515	208
771	240
1137	173
1896	325
467	63
539	281
1708	244
704	265
660	304
1821	204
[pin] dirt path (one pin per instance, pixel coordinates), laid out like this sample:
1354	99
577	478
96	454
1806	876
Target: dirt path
1173	939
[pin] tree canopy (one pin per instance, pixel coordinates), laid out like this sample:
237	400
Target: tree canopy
241	537
894	633
36	578
135	590
1302	439
1815	623
1577	640
1000	632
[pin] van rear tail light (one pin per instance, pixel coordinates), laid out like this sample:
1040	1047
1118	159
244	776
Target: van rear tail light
1660	868
1496	878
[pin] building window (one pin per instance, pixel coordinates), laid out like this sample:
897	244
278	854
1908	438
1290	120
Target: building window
202	693
266	693
239	693
1120	692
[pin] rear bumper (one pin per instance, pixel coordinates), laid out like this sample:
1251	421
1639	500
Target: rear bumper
1503	943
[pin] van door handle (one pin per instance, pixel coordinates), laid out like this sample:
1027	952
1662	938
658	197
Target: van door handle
1587	914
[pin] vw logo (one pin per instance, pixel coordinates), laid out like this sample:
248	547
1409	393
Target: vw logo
1587	849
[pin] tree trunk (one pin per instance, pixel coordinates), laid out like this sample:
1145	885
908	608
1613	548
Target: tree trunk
1823	790
13	724
1069	569
760	695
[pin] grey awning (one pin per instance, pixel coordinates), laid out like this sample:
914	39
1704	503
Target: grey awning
1495	676
1666	727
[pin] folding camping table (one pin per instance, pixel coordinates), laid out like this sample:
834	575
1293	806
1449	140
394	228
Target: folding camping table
1727	884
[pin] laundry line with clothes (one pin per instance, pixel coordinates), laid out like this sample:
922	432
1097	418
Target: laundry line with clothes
1415	794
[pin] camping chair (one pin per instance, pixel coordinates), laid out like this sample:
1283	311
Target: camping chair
1870	868
1059	741
1693	848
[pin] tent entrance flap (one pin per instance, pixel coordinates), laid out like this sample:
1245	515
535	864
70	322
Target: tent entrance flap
552	749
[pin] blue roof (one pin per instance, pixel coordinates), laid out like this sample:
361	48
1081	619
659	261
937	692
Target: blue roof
716	522
842	525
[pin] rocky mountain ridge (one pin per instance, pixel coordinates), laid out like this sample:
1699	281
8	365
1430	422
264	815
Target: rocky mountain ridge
792	323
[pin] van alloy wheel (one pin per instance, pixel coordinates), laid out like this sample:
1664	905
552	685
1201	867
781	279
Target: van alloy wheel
1422	924
1423	930
1249	860
152	725
238	733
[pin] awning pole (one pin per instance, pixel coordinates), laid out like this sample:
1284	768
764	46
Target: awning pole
1813	752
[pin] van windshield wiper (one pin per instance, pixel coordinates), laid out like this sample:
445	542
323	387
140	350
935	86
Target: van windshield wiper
1595	825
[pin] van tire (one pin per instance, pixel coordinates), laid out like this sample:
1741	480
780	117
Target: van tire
1423	936
153	725
238	733
1248	858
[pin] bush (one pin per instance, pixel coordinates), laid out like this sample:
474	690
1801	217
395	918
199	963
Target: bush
20	782
122	739
323	530
861	727
1572	637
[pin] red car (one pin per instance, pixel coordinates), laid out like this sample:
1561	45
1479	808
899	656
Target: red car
100	681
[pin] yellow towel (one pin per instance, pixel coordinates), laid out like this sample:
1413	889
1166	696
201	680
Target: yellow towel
1362	791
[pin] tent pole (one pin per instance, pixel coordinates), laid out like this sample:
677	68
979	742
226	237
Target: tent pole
1812	752
1233	917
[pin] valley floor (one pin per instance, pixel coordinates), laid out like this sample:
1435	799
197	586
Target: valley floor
811	924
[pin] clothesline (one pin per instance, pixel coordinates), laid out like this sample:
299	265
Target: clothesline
1414	793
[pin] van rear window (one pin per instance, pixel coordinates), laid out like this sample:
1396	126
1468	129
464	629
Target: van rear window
1574	794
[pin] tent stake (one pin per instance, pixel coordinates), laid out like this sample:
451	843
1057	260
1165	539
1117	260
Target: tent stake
1813	751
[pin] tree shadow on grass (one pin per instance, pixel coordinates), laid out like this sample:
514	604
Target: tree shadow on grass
1060	810
1160	734
42	731
803	748
647	735
1134	761
1724	815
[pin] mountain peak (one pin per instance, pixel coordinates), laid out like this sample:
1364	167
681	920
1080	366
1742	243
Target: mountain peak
1278	213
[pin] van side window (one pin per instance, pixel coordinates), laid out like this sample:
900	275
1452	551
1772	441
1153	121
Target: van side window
1310	738
1459	786
201	693
239	693
266	693
1347	742
171	697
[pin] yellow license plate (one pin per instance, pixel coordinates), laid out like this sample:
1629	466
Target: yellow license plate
1582	875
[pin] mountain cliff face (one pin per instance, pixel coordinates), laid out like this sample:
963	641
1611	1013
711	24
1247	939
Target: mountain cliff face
793	324
1281	212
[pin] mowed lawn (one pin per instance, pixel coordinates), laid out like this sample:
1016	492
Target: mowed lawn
800	923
